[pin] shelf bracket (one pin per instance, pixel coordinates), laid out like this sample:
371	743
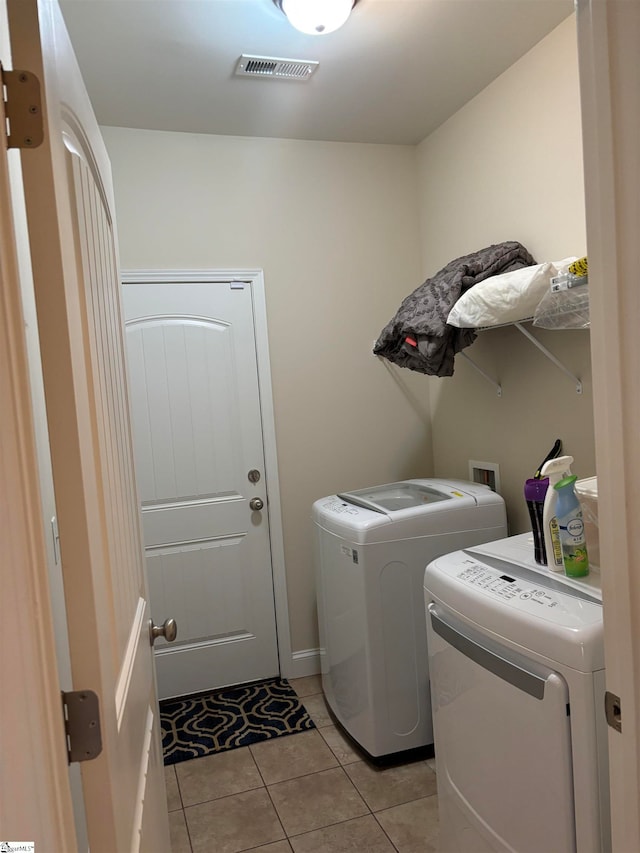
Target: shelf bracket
550	356
489	379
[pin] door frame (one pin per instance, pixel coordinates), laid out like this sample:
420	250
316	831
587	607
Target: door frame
255	279
608	33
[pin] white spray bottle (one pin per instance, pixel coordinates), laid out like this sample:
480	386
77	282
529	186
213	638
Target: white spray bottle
555	470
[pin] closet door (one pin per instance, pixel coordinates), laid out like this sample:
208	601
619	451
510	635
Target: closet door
197	426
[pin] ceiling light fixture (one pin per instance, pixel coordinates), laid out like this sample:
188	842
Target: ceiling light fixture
316	17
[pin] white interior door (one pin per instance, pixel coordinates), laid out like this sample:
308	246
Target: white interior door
198	444
70	212
35	802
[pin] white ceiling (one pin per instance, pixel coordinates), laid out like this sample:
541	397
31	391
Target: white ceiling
396	70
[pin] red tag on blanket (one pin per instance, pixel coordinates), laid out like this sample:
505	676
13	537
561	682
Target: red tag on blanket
411	341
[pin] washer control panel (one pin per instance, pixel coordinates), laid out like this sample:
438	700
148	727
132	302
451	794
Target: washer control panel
340	507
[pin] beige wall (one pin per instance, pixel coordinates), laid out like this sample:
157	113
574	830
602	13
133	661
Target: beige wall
343	232
508	166
334	227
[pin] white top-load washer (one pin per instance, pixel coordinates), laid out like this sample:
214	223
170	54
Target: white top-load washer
371	549
517	682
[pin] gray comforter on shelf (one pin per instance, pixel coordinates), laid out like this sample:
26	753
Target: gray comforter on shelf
422	317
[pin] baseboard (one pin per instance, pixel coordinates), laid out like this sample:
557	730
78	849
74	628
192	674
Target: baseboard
303	663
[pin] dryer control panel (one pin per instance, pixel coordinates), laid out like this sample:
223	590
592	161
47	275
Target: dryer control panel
505	586
531	594
524	607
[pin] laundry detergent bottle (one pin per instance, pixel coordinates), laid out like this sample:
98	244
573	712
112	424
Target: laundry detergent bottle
555	470
571	529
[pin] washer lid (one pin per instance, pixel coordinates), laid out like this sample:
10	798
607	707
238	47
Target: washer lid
395	496
409	509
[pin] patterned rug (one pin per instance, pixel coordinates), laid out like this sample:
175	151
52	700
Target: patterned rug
224	719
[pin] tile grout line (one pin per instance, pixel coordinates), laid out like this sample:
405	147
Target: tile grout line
264	784
328	825
182	809
277	814
304	775
266	787
336	823
186	824
385	831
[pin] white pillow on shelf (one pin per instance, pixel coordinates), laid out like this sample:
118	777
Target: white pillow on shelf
505	298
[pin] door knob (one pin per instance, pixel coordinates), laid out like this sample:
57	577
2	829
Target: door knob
256	504
168	630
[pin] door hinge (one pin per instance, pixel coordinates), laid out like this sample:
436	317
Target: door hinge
613	710
23	108
81	710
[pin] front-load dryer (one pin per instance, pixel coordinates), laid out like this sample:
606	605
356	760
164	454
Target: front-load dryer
516	658
371	549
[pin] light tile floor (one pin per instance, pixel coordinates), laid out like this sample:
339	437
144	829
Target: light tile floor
313	792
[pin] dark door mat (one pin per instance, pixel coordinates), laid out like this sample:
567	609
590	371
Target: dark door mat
194	726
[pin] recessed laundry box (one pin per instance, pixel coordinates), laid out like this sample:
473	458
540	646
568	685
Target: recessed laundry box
371	549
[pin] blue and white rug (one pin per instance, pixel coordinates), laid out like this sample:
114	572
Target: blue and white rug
225	719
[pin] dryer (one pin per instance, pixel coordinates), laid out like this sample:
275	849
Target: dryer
516	657
370	551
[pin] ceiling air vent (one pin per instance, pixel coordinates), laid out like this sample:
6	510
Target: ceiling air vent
275	68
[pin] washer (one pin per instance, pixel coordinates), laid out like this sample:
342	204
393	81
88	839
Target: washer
516	656
371	550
